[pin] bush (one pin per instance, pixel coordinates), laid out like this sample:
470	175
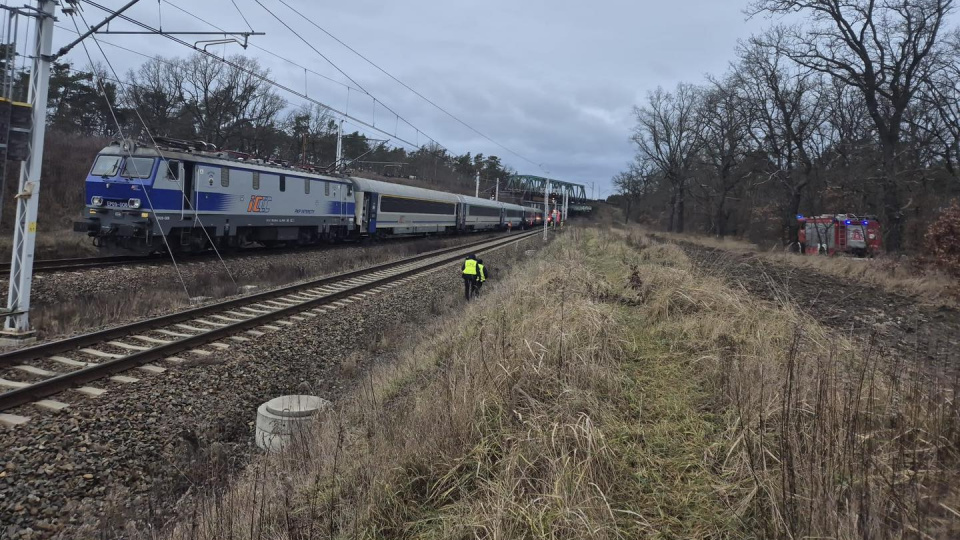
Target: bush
943	240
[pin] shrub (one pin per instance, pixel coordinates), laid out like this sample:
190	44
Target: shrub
943	239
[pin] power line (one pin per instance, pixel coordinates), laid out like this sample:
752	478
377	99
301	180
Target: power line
308	44
255	74
255	46
358	86
405	85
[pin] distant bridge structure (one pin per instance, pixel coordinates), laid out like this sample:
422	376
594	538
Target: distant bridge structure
526	183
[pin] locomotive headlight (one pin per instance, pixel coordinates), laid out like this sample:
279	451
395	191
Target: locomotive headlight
133	203
96	201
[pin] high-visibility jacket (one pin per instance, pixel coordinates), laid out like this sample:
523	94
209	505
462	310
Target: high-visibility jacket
482	272
470	267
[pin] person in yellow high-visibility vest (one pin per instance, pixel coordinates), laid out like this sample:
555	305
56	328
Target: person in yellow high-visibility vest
470	274
481	275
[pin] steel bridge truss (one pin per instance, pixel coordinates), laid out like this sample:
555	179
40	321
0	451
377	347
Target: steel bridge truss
538	184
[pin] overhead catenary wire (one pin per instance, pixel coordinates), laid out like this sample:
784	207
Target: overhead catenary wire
356	85
259	48
255	74
405	85
128	84
308	44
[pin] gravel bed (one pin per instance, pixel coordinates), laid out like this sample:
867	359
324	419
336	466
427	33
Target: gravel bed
70	303
130	458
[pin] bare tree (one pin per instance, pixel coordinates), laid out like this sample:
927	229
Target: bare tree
726	124
884	48
788	105
632	184
225	101
668	138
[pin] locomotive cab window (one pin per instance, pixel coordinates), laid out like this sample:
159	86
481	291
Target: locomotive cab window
105	166
173	170
283	183
137	167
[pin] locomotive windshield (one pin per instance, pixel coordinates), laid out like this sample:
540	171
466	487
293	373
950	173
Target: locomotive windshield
105	166
137	167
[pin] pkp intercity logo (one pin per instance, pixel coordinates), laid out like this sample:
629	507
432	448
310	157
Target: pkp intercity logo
259	204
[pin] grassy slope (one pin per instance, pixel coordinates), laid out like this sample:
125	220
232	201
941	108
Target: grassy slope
650	402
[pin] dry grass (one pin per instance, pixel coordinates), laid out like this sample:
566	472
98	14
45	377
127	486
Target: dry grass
652	402
501	424
825	440
900	275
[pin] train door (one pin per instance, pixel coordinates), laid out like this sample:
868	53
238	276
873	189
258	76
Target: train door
185	173
370	213
461	216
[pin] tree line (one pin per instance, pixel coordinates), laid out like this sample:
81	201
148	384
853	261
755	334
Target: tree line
855	108
231	105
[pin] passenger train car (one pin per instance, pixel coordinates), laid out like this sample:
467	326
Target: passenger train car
184	196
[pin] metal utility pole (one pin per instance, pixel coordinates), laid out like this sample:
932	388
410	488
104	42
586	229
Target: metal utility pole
496	194
339	162
546	209
566	204
16	328
476	192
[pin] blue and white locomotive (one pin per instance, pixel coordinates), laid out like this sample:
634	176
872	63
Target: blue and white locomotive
184	196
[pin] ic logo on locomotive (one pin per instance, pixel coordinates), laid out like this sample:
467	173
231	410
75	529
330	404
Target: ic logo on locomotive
258	204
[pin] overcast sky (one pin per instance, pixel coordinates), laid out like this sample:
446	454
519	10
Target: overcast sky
553	81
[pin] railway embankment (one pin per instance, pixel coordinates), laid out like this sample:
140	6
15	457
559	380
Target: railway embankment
123	460
609	389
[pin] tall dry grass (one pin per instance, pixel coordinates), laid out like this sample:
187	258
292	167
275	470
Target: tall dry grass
652	402
825	439
515	420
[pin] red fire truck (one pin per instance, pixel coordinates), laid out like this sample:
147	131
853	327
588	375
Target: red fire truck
833	234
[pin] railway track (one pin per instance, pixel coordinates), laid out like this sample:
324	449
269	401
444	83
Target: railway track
72	363
87	263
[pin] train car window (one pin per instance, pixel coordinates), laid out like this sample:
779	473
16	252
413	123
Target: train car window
256	180
485	211
415	206
349	191
326	189
137	167
306	186
224	176
105	166
283	183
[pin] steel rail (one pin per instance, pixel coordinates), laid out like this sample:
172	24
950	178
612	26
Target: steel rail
60	383
85	263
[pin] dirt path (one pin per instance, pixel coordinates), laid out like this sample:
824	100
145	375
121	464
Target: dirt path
896	323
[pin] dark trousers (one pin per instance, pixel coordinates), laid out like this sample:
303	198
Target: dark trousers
469	282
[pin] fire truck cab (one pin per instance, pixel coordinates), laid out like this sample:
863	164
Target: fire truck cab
832	234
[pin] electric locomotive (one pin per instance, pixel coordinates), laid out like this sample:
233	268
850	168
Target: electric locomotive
186	196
